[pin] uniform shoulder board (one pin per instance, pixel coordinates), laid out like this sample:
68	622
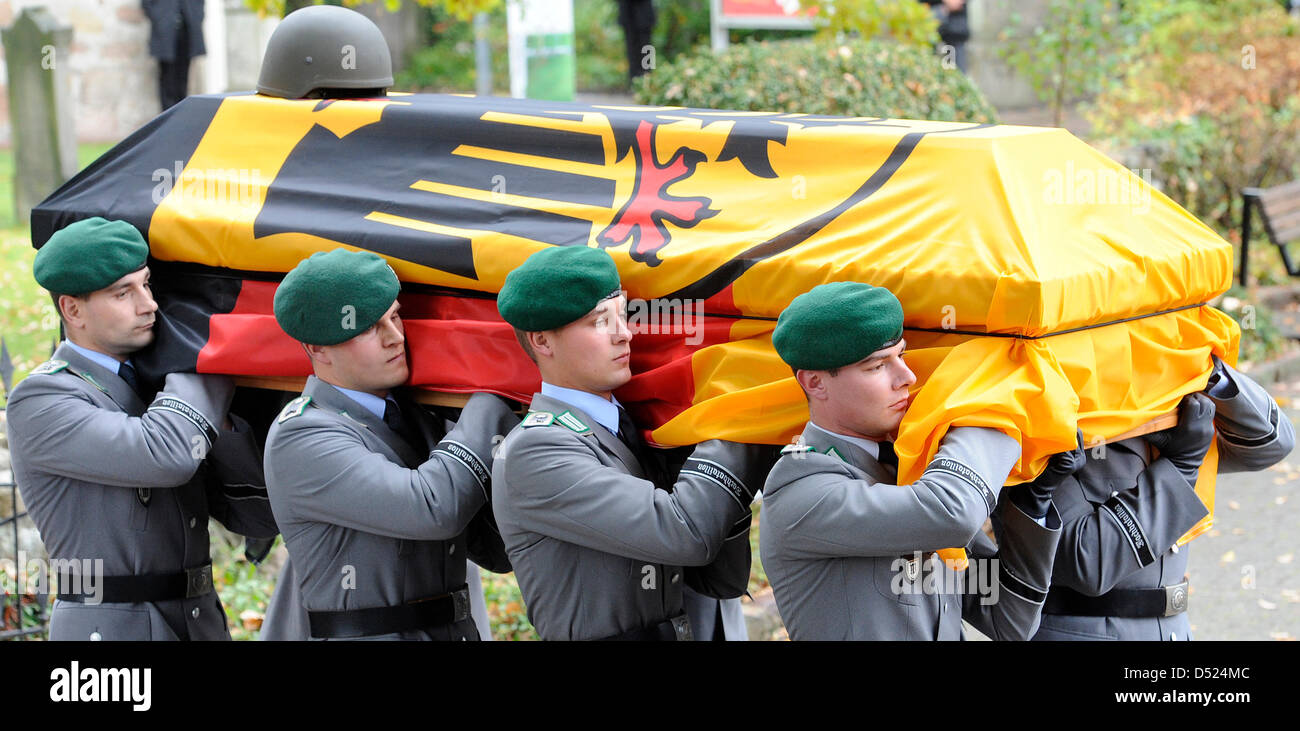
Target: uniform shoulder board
572	423
54	365
538	418
796	449
836	454
293	408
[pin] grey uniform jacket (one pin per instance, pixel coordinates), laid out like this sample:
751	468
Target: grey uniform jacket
106	476
367	520
1098	553
596	548
835	530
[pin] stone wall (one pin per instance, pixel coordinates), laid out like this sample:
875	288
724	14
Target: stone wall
115	81
113	77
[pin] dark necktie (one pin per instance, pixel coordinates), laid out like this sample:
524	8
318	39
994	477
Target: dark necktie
887	456
396	420
630	436
127	373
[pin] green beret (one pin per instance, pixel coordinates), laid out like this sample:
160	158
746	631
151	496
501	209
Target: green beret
837	324
556	286
89	255
332	296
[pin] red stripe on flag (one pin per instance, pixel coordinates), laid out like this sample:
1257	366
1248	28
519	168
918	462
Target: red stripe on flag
461	345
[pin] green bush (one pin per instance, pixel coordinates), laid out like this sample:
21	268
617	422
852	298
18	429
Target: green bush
854	78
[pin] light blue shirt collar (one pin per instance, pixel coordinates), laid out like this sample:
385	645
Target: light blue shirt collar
369	401
872	448
108	361
604	412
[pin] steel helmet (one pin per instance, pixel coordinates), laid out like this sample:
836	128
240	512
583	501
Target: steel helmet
324	47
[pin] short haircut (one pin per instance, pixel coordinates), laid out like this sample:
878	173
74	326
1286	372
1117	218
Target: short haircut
522	337
831	371
59	310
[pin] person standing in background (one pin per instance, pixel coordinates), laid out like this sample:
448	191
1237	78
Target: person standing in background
175	37
954	29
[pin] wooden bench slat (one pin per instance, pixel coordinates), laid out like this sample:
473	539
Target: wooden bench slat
1286	235
1281	206
1278	224
1280	192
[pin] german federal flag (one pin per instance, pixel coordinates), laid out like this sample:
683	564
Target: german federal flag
1044	285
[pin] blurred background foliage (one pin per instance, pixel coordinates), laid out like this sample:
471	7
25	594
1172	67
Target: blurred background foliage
446	62
906	21
1211	103
852	78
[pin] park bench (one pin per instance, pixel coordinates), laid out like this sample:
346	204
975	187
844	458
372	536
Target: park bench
1279	209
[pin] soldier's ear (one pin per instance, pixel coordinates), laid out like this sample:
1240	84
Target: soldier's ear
73	311
318	354
813	384
542	343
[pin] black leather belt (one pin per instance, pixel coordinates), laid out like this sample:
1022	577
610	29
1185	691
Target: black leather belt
186	584
677	629
1163	602
420	614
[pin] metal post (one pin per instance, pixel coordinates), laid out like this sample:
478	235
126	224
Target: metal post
717	32
482	56
1245	235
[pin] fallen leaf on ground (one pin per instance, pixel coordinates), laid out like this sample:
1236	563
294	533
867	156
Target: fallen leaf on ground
1228	557
1266	604
1285	558
1234	505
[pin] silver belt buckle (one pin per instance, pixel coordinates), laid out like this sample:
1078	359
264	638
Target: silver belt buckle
198	581
460	599
1175	599
682	628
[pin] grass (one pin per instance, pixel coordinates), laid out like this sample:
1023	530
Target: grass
28	323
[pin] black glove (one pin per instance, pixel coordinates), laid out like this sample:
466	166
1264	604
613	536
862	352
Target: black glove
1186	443
1034	497
256	549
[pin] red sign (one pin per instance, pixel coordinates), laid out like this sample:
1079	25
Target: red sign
766	8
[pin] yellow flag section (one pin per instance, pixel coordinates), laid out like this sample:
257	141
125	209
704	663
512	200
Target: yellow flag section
1045	287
